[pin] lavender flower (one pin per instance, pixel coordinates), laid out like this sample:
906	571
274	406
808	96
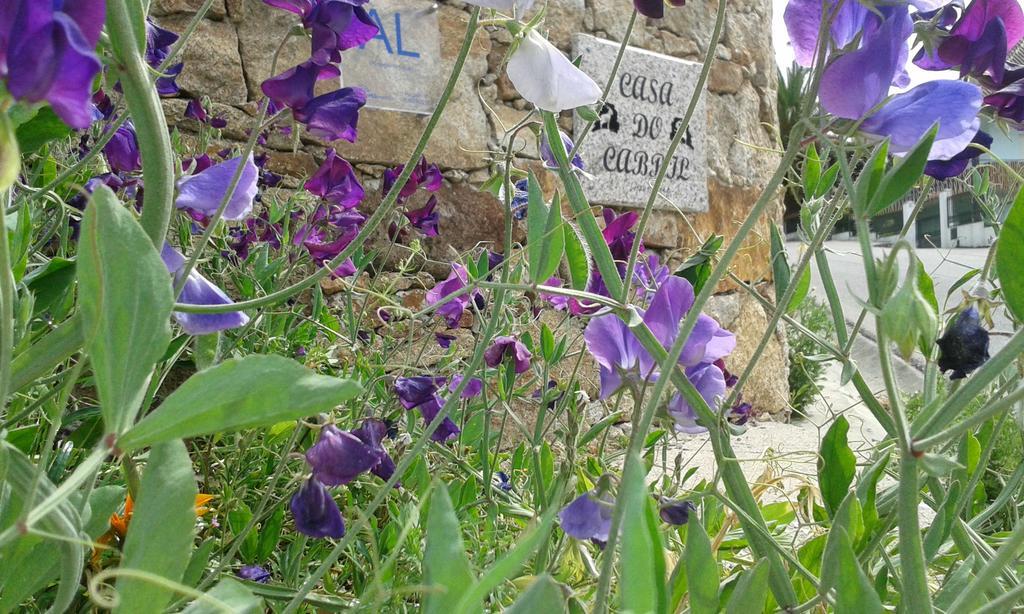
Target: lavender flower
372	432
336	182
200	291
336	25
316	514
338	457
333	116
548	156
47	54
589	516
944	169
964	345
511	347
426	218
452	308
204	191
253	573
545	77
122	150
158	47
423	175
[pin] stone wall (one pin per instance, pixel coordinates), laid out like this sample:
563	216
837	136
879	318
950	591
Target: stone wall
233	50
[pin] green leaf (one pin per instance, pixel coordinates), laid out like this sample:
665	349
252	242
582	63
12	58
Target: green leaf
854	591
956	582
642	561
228	595
942	524
536	222
542	596
160	535
257	390
586	113
697	268
50	284
577	257
545	241
869	179
125	298
811	172
828	179
1009	263
926	286
867	491
701	569
903	175
447	575
270	534
751	591
836	465
803	286
780	263
44	127
103	502
10	157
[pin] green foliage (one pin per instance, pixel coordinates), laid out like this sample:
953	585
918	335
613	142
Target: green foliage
1008	260
806	362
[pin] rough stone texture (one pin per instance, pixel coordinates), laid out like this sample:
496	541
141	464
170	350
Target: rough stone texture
213	66
261	28
162	8
767	389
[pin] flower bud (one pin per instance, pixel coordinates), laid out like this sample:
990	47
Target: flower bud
908	319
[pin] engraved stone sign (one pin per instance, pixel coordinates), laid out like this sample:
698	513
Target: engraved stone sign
645	108
400	68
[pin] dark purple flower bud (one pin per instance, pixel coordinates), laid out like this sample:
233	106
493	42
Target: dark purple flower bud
546	154
494	259
372	432
511	347
944	169
589	516
415	391
504	483
300	352
384	315
444	340
158	47
194	110
741	413
200	291
253	573
204	191
473	388
447	429
316	514
426	218
335	181
47	54
197	164
220	123
618	232
338	457
294	87
122	150
1008	99
964	346
675	512
427	176
652	9
104	106
333	116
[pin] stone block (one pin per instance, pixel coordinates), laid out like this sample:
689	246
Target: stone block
261	28
213	66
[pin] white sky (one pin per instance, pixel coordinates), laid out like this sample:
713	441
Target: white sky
784	52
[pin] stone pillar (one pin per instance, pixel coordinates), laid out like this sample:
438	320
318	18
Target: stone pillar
944	238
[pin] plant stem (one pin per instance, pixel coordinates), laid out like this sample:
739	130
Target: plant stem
7	298
150	124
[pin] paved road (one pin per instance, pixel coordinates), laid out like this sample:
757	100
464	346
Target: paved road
945	266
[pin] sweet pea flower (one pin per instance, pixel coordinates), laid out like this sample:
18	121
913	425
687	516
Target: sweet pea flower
472	389
47	54
294	87
424	175
372	432
426	218
709	381
445	431
545	77
452	308
944	169
511	347
548	156
589	516
194	110
1008	98
618	232
315	511
335	25
675	513
979	41
122	150
415	391
335	181
204	191
338	457
964	345
200	291
158	47
333	116
253	573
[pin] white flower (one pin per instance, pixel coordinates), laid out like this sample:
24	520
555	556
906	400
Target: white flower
547	78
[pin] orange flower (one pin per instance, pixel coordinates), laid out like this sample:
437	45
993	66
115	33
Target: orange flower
119	522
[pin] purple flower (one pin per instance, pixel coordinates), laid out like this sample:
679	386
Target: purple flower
194	110
709	380
47	54
294	87
336	25
504	482
675	512
333	116
473	388
204	191
339	457
979	41
1008	100
424	175
452	309
944	169
253	573
444	340
372	432
158	47
741	413
653	9
200	291
425	219
589	516
964	345
618	232
511	347
336	182
548	156
447	429
315	511
415	391
122	150
520	198
327	233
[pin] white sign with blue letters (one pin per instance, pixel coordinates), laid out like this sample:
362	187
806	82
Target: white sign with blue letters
400	68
